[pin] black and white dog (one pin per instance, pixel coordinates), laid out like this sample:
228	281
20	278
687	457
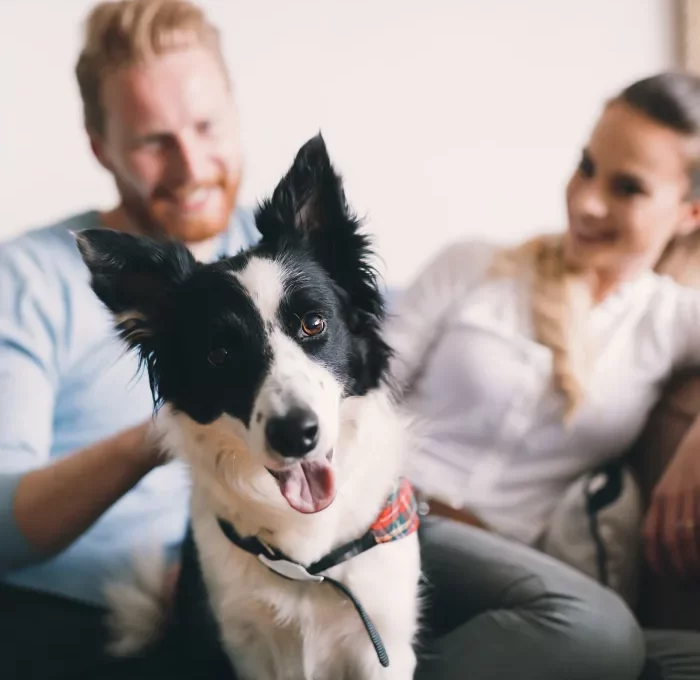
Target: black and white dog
269	372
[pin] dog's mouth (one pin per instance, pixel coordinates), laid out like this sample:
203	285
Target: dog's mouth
308	485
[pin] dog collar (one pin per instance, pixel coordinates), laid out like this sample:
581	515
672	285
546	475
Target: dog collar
398	519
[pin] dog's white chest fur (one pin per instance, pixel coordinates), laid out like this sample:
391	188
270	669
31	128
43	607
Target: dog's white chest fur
276	629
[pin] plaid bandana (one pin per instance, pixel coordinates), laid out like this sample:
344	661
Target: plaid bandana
399	518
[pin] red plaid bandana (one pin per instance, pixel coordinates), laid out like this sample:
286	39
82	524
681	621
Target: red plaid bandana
399	518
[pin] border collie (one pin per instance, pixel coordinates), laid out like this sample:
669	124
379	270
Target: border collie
268	370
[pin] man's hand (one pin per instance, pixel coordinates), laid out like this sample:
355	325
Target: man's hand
672	526
56	504
145	446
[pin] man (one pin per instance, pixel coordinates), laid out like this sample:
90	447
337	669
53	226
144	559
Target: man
81	482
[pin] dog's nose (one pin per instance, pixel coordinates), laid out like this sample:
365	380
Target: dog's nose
293	434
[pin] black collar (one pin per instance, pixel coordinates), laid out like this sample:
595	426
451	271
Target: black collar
277	561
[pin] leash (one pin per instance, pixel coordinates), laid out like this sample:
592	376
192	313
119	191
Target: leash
398	519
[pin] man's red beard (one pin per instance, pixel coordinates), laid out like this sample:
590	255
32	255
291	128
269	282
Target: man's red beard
158	216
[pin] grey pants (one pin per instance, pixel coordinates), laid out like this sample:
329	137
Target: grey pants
493	610
496	609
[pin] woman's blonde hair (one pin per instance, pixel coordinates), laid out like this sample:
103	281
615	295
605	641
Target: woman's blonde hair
126	32
561	300
561	297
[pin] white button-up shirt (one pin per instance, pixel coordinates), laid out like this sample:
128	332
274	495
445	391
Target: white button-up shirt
492	434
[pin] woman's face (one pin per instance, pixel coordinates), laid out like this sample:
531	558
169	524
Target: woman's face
629	195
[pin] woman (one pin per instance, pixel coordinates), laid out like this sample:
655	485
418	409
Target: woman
530	367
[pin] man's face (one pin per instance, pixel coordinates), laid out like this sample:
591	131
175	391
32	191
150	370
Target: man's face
171	141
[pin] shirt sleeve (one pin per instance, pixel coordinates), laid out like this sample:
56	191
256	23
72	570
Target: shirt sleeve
421	312
246	222
30	312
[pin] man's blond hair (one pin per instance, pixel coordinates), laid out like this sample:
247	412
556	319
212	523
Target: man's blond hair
123	33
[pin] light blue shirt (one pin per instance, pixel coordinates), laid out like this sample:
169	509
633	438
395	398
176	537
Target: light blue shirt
66	382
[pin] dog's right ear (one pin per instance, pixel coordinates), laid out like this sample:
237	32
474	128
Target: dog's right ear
307	201
133	276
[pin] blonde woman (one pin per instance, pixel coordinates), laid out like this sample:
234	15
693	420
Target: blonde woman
530	367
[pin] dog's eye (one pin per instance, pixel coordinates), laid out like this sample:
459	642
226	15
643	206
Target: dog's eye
218	356
313	324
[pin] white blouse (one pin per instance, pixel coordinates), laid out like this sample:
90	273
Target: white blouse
493	438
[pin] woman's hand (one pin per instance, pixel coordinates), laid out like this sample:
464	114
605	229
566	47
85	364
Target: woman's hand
672	525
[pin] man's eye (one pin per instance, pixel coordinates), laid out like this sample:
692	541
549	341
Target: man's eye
152	142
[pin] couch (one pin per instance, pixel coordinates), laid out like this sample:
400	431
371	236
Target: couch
663	602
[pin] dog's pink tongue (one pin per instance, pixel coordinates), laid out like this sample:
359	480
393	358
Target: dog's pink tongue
309	486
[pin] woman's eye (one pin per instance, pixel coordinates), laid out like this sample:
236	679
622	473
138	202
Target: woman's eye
313	324
586	167
627	187
218	356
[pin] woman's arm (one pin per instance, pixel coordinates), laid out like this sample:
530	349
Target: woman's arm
421	312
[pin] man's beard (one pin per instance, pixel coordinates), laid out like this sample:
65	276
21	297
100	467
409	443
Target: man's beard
158	216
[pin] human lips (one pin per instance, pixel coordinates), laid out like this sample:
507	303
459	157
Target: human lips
586	235
193	199
196	200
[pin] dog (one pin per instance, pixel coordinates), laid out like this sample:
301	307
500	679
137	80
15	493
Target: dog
269	375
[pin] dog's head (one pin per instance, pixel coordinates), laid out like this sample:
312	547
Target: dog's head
269	341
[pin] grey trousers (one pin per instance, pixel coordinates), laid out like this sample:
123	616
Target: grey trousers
493	609
497	609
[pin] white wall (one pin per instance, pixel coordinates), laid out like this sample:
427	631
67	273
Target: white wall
448	118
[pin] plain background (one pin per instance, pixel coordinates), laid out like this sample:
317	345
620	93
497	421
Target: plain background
449	119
